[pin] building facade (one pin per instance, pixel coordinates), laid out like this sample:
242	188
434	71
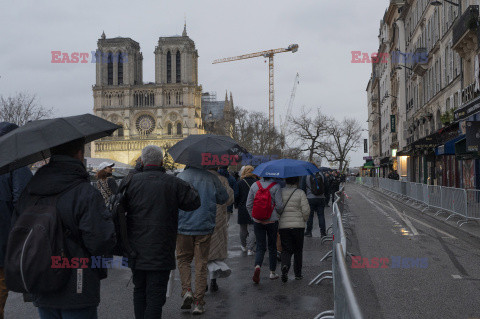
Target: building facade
433	76
159	113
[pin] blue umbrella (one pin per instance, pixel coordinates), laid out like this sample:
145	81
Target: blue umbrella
284	168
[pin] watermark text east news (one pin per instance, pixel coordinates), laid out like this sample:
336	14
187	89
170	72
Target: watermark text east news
82	57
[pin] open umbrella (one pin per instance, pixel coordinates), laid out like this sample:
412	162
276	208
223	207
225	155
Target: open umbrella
32	142
284	168
205	151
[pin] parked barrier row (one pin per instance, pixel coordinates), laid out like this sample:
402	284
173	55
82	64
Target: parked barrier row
456	201
345	302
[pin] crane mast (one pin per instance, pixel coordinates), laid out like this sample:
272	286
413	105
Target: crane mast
271	84
290	103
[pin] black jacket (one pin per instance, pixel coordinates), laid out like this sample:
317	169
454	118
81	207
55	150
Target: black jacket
83	212
153	200
241	199
11	187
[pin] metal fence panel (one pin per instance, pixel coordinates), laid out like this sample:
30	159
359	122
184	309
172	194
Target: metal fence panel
473	203
459	201
346	305
447	199
435	196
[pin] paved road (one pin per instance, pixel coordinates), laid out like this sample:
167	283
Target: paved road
238	297
448	288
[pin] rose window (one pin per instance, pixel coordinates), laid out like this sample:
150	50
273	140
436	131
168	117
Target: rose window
145	124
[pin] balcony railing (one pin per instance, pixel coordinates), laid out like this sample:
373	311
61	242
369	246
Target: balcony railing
468	21
420	60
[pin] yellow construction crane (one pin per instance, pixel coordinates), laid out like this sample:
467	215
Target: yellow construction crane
271	91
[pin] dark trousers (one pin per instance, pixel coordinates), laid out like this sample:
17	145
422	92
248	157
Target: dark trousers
316	205
292	244
83	313
264	233
149	293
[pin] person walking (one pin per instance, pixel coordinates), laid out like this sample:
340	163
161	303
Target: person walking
334	185
247	234
265	229
83	212
153	199
223	171
291	226
217	267
105	182
194	234
315	187
326	178
11	187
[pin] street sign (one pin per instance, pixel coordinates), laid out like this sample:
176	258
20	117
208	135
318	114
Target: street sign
392	124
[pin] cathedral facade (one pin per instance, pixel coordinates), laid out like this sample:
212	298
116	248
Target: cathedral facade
156	113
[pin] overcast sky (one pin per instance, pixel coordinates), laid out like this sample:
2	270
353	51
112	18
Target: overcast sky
326	31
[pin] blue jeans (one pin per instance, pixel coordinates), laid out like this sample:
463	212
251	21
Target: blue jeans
262	234
316	205
83	313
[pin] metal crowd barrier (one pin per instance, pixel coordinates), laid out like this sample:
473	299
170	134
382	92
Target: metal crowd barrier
345	302
463	203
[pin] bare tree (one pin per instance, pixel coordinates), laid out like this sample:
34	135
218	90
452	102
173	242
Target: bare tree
252	132
344	137
311	132
22	108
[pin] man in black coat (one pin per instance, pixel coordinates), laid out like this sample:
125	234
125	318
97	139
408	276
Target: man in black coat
153	200
11	186
92	233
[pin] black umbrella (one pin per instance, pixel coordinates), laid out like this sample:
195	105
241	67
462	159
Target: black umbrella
32	142
205	151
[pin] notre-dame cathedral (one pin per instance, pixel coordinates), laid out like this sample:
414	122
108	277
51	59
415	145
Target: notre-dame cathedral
159	113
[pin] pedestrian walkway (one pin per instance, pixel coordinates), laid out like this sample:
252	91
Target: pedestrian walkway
238	296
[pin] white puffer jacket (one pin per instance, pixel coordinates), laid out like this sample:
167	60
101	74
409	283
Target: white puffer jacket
297	210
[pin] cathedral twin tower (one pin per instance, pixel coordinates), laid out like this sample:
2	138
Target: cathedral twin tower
159	113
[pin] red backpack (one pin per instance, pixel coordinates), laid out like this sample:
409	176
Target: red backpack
262	203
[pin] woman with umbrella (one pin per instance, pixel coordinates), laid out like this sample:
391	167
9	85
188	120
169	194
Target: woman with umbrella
295	214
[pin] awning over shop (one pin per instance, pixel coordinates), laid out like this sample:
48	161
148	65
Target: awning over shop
385	161
449	147
461	150
368	165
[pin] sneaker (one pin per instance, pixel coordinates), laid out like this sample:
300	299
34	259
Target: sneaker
244	249
250	253
256	275
284	274
308	234
273	275
299	277
187	300
198	309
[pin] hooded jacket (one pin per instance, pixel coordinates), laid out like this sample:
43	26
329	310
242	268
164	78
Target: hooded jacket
84	214
202	220
11	187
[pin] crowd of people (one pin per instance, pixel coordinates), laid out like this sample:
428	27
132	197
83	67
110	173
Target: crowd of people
171	220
